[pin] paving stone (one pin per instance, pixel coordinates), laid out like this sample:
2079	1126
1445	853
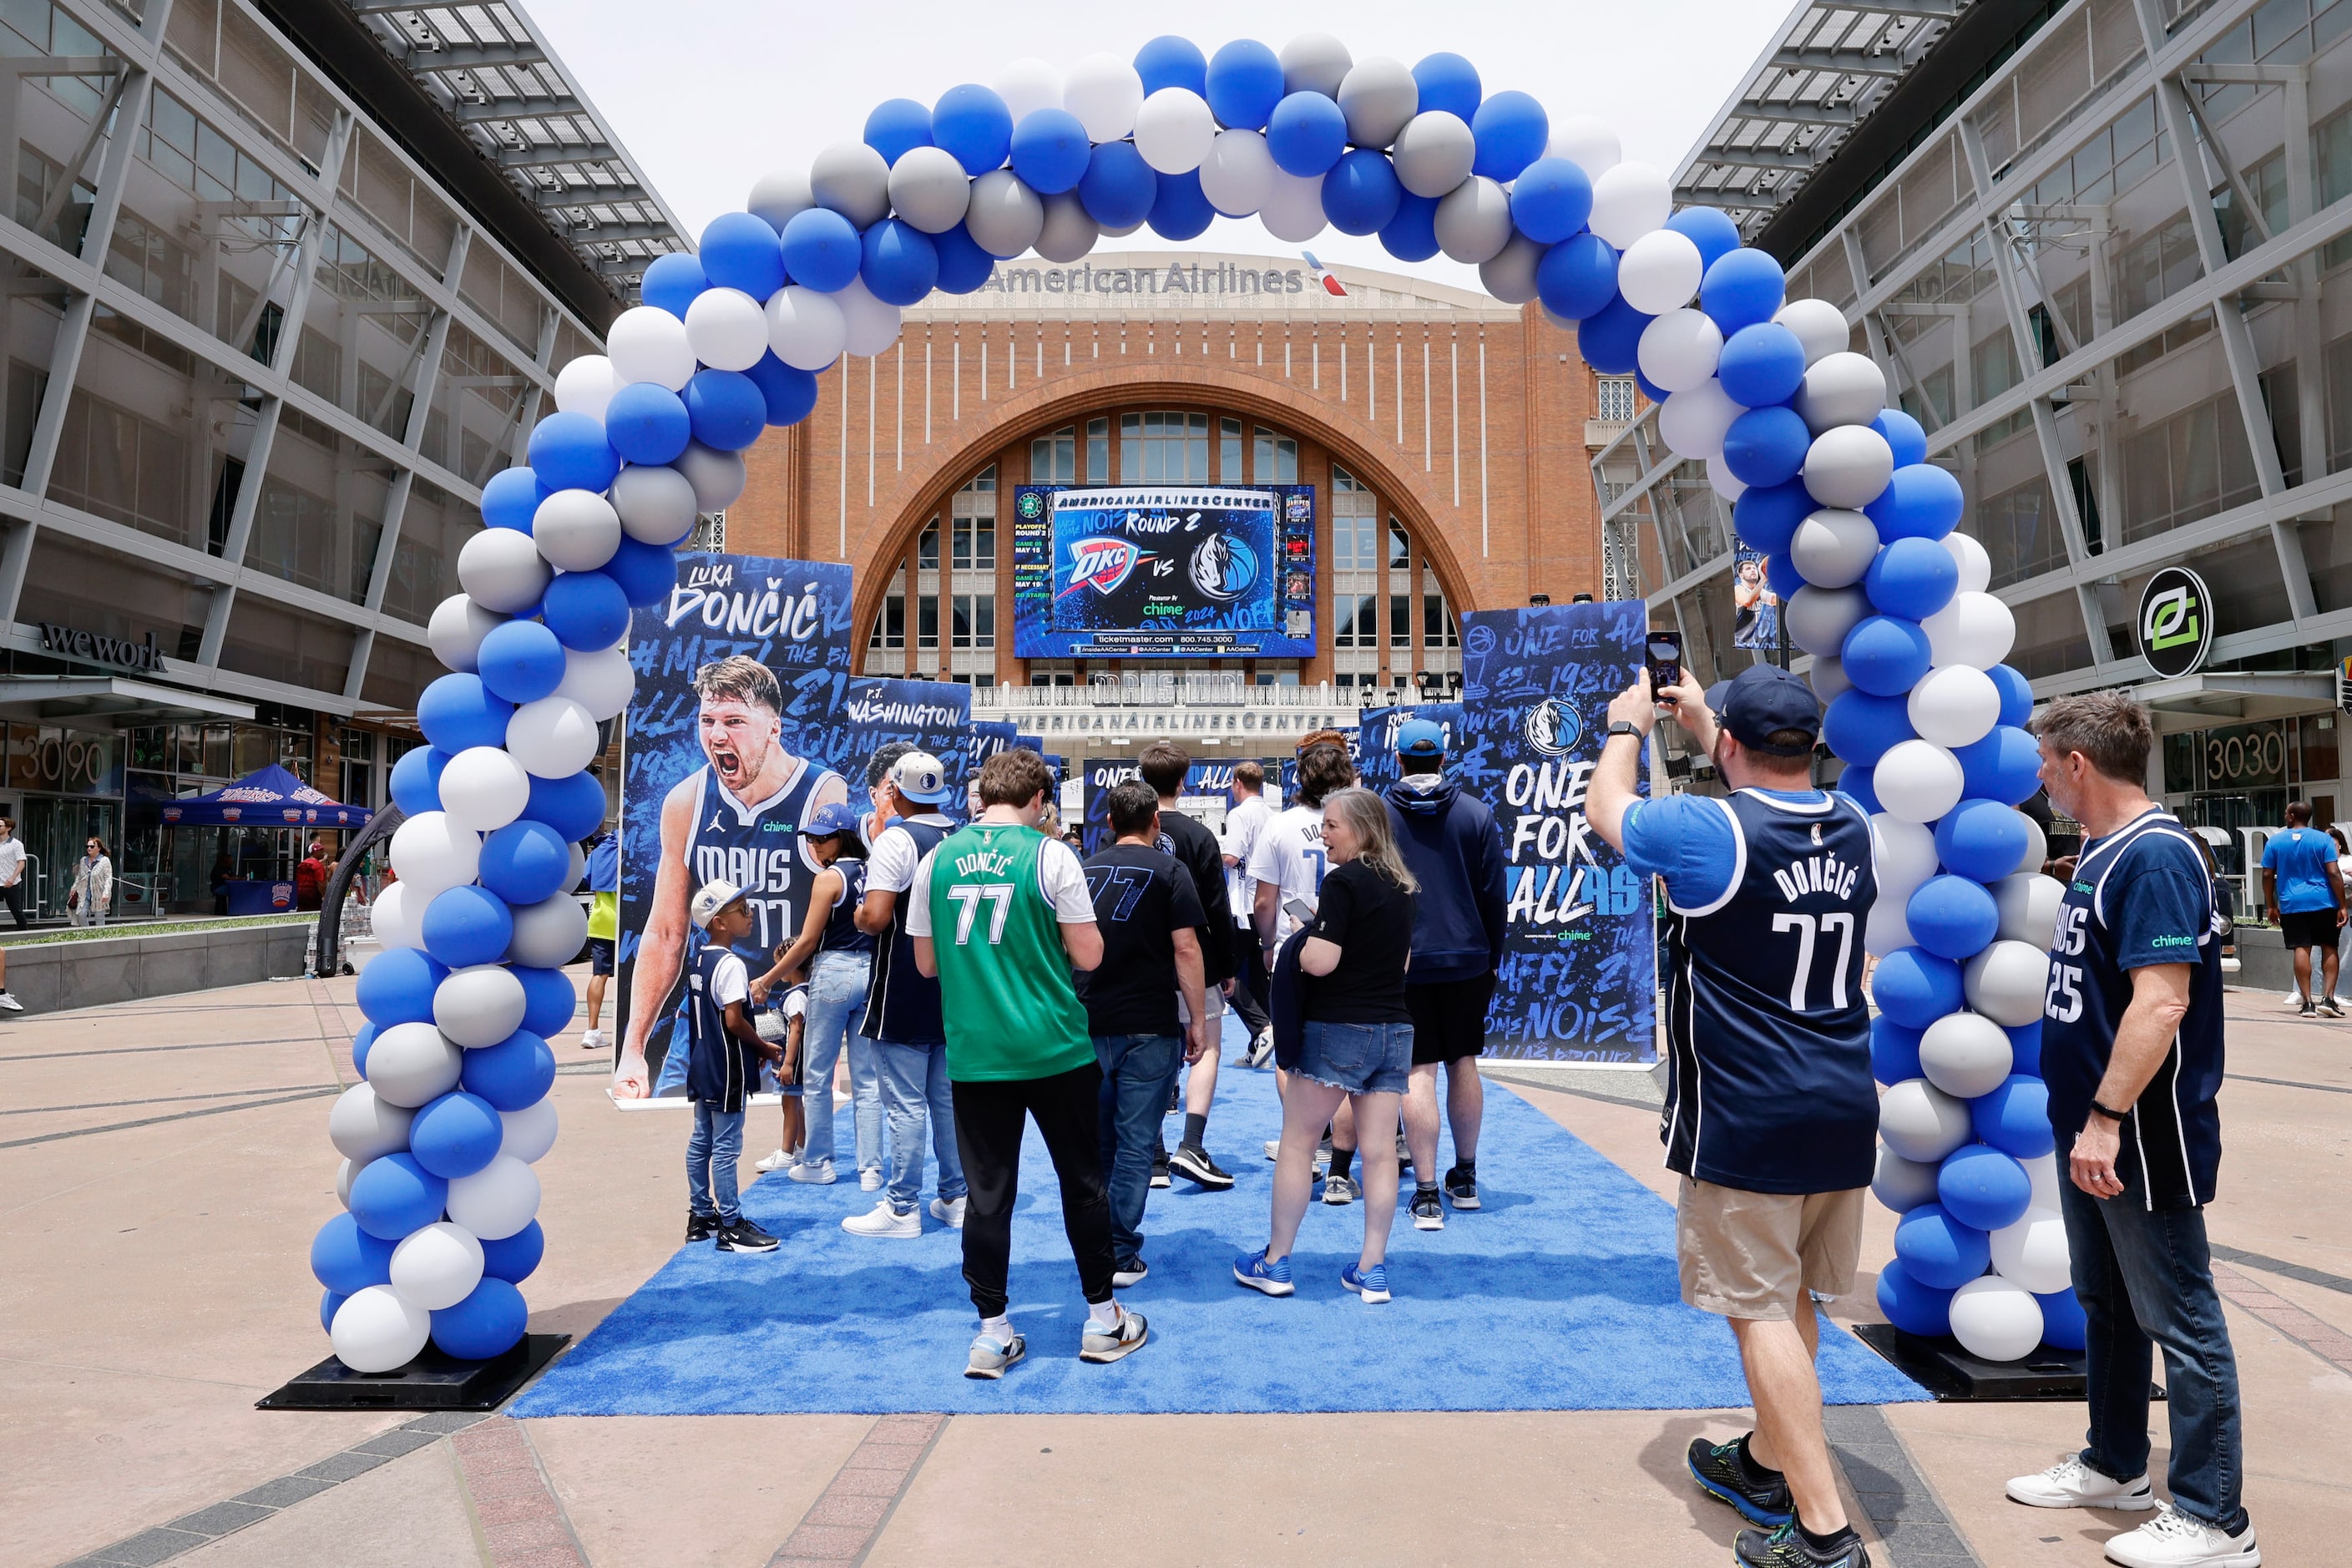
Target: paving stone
345	1466
866	1483
444	1422
147	1547
849	1512
283	1492
393	1444
828	1544
221	1518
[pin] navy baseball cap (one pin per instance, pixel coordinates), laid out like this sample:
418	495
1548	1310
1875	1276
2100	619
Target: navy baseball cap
834	817
1763	699
1420	738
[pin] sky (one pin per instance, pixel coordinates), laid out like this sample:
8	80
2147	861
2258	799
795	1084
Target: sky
708	94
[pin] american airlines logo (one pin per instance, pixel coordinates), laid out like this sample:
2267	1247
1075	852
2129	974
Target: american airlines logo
1101	564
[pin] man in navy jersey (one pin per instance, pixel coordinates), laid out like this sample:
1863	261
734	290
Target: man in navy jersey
2131	1049
1771	1118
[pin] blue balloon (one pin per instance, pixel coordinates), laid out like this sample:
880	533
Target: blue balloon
1550	200
514	1074
586	610
1511	129
1780	574
1576	278
417	780
573	806
1306	133
1710	229
347	1260
1912	578
1611	338
513	1258
397	987
1180	211
1742	288
1983	1188
1050	152
1914	1307
1939	1250
1118	190
1885	656
973	124
1765	446
362	1038
1412	235
2064	1326
897	127
525	862
1894	1051
488	1322
964	265
549	1000
521	661
1905	437
822	250
330	1303
646	572
1649	389
2025	1048
1361	193
1242	84
1915	987
1766	516
1982	839
466	925
458	711
569	452
1171	61
2016	696
2015	1117
2005	766
728	408
1951	917
395	1195
1920	501
1450	83
671	282
456	1135
1862	728
899	263
511	498
1761	365
647	423
789	391
740	251
1861	781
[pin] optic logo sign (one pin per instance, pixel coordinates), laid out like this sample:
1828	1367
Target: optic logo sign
1101	564
1551	727
2176	622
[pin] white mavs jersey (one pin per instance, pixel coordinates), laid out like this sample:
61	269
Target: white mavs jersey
758	848
1289	853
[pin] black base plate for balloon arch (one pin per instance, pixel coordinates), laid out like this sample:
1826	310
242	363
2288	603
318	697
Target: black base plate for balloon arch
1953	1376
431	1382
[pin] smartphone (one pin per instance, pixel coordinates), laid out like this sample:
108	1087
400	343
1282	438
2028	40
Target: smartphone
1665	656
1300	911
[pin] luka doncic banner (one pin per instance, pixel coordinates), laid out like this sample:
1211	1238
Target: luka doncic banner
1580	968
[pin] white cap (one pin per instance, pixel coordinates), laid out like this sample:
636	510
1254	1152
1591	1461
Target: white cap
921	777
715	895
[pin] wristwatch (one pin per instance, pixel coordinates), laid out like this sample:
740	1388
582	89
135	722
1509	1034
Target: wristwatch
1624	727
2110	1113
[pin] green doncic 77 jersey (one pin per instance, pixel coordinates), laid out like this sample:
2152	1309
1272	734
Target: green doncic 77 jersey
1005	977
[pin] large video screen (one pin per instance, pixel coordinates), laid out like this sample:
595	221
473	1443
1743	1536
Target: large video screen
1163	571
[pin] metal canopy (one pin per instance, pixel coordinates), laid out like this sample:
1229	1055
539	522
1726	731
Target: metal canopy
1820	76
44	696
489	67
2195	701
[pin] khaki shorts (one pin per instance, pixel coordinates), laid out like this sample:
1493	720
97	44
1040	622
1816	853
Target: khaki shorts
1748	1255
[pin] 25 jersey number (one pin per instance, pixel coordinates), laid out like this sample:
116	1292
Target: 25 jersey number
2064	1000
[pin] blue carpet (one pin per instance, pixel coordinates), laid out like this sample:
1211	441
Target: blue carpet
1559	1294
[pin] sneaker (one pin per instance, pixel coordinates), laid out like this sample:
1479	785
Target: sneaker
990	1356
2331	1006
8	1001
590	1039
884	1220
1261	1049
2071	1483
1724	1473
2294	1001
1428	1213
1251	1269
1175	1097
1340	1191
1122	1341
2176	1540
744	1236
1194	1164
1784	1548
1160	1167
701	1226
1130	1273
1461	1188
781	1158
948	1211
869	1181
819	1172
1371	1284
1273	1147
2308	1011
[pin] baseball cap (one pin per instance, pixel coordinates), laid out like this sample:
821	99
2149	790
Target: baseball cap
1763	699
1421	738
921	777
714	895
833	818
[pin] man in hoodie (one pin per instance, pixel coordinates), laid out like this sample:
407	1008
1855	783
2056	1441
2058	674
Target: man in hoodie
1454	849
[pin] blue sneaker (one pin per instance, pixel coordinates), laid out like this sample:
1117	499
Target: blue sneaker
1252	1269
1371	1284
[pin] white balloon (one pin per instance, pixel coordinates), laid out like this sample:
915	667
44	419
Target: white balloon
727	329
1377	96
1955	705
1833	548
376	1331
781	196
1105	94
1917	781
1509	275
1902	1184
437	1266
1694	422
483	789
1975	567
1473	221
1005	216
1888	928
716	477
1293	210
346	1172
1996	1320
1903	854
804	327
457	627
1678	352
548	935
2006	983
433	853
365	1126
388	919
1026	86
501	569
869	325
1848	465
553	737
2042	1172
1975	628
576	530
586	385
850	178
1660	272
655	504
930	189
1238	174
2028	902
1069	231
1820	327
529	1133
1587	142
413	1064
1921	1122
1628	200
1842	388
602	682
1965	1055
2032	1252
1173	130
1314	62
2037	848
495	1201
477	1005
1818	618
649	344
1435	153
1731	487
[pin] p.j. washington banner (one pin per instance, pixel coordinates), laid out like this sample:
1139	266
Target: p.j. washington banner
1579	969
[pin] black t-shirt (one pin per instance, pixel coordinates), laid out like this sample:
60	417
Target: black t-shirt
1142	897
1369	919
1197	850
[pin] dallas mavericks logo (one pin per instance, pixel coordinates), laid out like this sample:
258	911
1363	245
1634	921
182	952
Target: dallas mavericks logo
1551	727
1101	564
1223	568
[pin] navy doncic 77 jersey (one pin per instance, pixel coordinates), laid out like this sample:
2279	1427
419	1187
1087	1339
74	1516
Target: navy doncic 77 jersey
1768	1034
758	848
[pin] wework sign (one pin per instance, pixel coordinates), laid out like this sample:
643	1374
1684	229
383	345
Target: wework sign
100	649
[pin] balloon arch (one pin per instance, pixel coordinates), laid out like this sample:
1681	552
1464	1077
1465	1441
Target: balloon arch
1829	484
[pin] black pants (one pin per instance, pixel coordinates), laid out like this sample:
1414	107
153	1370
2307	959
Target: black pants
14	896
989	1125
1251	986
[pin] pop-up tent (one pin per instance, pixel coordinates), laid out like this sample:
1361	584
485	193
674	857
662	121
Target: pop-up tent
267	797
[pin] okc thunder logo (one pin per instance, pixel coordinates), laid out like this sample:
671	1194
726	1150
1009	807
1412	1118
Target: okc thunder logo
1101	564
1223	567
1551	727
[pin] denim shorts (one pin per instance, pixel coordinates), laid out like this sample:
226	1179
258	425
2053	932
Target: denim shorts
1362	1058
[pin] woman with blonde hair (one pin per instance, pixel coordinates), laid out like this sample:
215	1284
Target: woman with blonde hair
1355	1041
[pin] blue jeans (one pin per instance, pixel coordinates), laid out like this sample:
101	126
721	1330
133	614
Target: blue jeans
1362	1058
915	1088
712	1151
2145	1277
671	1081
1137	1070
835	1002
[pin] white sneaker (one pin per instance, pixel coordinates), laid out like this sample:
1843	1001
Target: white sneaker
1273	1147
2174	1540
2293	1002
948	1213
775	1161
819	1172
869	1181
8	1000
839	1100
1261	1049
594	1040
2070	1483
884	1220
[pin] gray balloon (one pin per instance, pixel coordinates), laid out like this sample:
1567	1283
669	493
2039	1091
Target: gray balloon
1433	154
1379	96
930	189
781	196
1314	62
1510	276
1005	216
1069	232
852	179
1474	220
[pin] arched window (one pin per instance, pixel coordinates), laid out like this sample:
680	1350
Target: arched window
1054	460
